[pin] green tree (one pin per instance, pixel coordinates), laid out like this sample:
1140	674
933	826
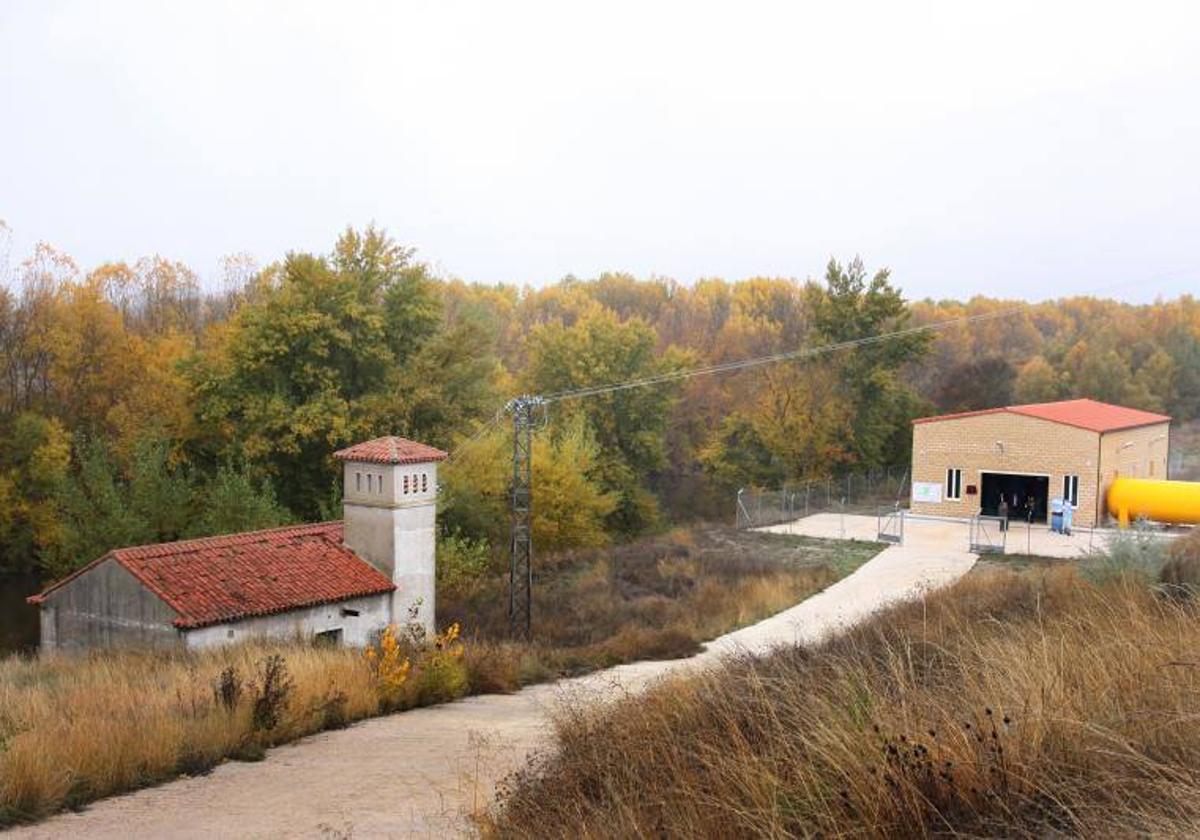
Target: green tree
231	501
570	507
850	308
330	350
629	425
35	457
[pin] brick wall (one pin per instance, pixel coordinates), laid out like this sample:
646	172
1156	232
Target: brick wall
1133	453
1027	445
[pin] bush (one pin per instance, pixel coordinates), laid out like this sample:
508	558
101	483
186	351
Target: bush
1138	551
271	692
1181	573
441	672
461	560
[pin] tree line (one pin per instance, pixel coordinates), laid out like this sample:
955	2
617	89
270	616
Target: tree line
137	407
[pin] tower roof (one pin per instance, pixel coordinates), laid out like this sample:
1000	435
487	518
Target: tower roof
390	450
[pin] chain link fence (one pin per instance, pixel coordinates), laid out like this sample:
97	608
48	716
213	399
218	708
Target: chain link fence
858	492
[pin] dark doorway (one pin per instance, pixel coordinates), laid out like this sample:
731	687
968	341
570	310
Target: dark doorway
328	638
1019	491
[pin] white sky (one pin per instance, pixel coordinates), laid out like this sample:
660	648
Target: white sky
1026	149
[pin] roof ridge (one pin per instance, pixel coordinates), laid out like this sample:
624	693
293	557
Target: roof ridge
238	537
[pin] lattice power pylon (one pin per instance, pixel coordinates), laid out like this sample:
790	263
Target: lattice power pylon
520	580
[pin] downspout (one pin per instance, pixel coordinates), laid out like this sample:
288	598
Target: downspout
1099	448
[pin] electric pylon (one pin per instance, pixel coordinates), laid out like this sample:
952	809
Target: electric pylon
520	579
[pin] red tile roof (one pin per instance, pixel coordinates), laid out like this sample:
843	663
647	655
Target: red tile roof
218	579
1083	414
390	450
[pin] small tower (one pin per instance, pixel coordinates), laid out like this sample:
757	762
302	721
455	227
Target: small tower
389	504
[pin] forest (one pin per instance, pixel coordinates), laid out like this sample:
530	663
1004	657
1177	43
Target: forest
139	405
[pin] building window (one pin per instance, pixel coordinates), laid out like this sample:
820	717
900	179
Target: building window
370	483
1071	490
424	482
380	483
405	485
358	481
953	484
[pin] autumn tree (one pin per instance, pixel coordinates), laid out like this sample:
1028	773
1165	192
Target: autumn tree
629	425
328	350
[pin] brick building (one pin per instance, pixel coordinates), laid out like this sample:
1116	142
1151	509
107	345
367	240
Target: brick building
1029	454
341	582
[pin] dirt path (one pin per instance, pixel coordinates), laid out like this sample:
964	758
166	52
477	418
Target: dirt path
420	772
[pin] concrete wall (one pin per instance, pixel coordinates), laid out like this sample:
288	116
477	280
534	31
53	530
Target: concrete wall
374	613
106	607
1028	445
390	520
1133	453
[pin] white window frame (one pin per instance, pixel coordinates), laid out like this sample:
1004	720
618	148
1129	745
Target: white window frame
953	484
1071	490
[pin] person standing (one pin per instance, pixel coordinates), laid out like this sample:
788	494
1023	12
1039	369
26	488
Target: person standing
1002	512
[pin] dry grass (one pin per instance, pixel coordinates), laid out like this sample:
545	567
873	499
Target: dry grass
658	598
74	729
1012	704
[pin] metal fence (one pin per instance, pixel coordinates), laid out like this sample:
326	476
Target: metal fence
858	492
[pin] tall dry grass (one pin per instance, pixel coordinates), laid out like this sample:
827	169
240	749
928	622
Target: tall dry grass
74	729
1009	705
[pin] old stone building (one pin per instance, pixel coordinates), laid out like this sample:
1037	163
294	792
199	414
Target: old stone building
963	464
338	581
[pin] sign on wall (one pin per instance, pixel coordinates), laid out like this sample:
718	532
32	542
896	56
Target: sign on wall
927	491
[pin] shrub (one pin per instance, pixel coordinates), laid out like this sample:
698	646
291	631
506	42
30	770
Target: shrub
461	560
1181	572
1138	551
441	672
390	665
271	691
227	688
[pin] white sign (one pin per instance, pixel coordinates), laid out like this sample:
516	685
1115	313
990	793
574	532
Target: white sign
927	491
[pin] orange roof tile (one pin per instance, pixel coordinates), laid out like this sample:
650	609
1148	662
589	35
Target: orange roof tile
213	580
1084	414
390	450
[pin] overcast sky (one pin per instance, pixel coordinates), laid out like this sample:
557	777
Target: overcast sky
1024	149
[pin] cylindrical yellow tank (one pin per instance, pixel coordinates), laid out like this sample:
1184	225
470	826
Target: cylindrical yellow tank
1176	502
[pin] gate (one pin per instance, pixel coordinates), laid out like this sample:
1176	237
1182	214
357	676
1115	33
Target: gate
891	525
988	535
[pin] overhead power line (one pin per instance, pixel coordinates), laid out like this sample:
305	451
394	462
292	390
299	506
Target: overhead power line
791	355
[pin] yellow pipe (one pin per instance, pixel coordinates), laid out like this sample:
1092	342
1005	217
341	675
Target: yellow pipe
1175	502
